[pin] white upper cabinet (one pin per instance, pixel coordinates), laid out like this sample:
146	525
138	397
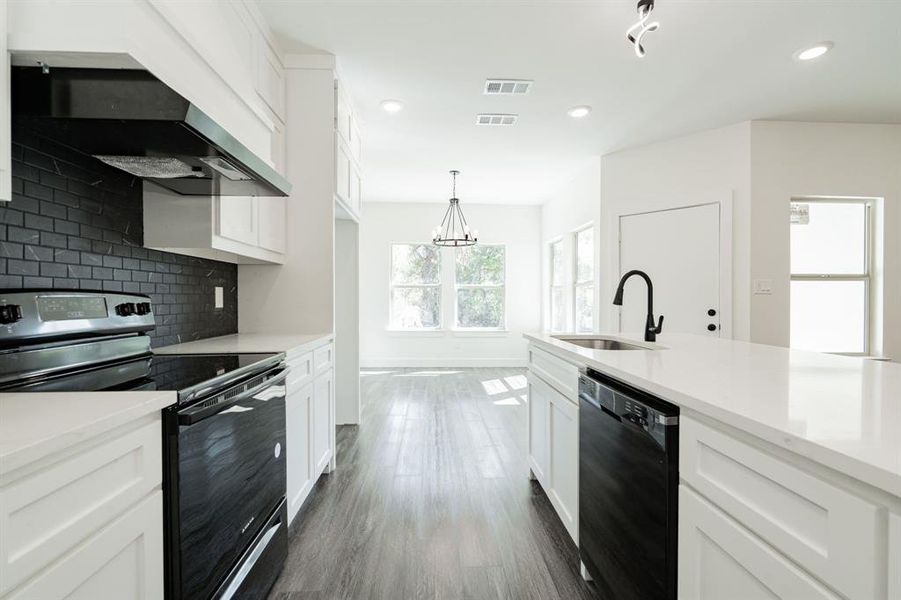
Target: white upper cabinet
348	150
5	146
270	75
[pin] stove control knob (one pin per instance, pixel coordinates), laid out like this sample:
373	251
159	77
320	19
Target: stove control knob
125	309
10	313
143	308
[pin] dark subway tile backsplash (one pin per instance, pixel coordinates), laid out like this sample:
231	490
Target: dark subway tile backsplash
75	223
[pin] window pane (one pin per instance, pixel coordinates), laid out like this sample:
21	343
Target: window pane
480	307
415	307
480	265
557	268
558	309
584	306
828	316
585	255
415	263
831	239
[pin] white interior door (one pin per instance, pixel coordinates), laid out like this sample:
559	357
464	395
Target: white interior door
680	250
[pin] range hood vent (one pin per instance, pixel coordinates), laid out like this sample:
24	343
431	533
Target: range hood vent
132	121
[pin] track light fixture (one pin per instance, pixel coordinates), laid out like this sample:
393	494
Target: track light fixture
637	31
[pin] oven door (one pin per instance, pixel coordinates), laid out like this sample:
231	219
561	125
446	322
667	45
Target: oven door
227	476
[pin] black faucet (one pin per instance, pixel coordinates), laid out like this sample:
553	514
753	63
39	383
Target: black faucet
650	330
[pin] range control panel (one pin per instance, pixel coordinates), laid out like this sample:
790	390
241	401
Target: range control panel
38	315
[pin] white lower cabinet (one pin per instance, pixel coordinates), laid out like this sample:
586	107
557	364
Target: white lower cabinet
299	473
322	426
88	522
310	420
554	449
539	433
720	559
894	556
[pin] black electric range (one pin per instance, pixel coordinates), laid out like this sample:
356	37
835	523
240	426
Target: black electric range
225	514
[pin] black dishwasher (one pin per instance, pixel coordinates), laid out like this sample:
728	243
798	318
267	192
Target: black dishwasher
628	486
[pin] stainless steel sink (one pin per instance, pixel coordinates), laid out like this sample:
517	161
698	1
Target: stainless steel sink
599	343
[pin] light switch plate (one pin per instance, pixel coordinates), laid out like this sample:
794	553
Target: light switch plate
763	287
220	297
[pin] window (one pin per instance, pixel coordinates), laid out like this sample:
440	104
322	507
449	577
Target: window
558	291
583	287
479	274
830	275
415	301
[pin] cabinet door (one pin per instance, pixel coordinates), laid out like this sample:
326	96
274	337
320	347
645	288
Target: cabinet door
539	429
342	115
718	558
297	438
564	443
322	424
894	556
124	560
342	172
5	146
273	219
238	219
356	193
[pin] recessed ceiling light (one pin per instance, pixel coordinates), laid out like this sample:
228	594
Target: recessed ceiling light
813	52
579	112
392	106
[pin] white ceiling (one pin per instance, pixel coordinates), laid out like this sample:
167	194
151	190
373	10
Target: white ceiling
712	63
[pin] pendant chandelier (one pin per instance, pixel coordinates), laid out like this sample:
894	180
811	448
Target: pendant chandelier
454	231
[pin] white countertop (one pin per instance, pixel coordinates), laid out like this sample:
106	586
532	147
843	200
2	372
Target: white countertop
249	342
34	425
842	412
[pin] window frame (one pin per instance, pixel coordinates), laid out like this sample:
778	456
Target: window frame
556	242
392	286
458	286
588	283
866	277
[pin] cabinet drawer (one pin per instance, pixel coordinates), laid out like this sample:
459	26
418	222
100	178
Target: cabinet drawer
323	357
829	532
124	560
301	371
718	558
558	373
45	514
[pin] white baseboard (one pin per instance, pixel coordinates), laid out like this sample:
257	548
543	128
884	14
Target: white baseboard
419	362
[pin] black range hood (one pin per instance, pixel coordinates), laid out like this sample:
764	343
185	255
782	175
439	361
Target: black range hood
133	121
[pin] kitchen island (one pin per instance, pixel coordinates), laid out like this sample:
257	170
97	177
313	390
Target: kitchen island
787	459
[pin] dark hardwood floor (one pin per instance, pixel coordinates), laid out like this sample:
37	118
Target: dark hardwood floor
431	499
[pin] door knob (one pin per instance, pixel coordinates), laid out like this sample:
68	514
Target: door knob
711	312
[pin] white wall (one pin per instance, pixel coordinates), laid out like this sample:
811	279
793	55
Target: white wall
704	167
572	207
519	227
298	296
347	322
821	159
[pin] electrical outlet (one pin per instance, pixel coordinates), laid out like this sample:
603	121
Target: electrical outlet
220	297
763	287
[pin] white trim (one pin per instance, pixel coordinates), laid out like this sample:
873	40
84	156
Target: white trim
448	362
325	62
724	205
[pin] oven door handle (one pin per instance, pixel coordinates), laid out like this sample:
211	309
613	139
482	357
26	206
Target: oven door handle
248	565
200	411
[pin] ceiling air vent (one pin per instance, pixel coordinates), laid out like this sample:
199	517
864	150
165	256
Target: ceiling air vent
496	119
507	87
